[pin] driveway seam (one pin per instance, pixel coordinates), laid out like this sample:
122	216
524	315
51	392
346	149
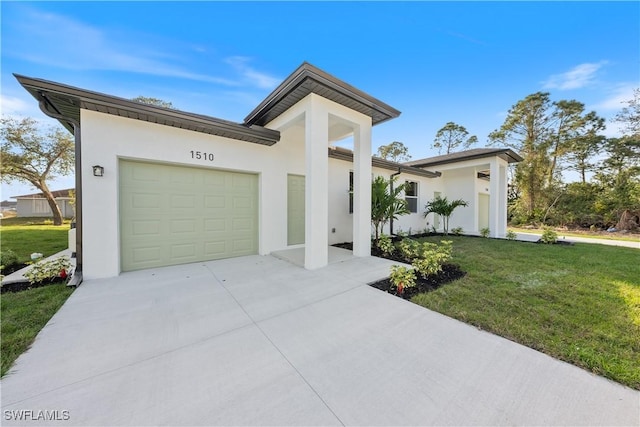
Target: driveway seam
278	348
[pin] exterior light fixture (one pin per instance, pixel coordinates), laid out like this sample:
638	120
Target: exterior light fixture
98	170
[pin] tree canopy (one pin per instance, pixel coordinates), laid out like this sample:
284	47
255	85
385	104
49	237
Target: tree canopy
33	156
452	137
395	152
153	101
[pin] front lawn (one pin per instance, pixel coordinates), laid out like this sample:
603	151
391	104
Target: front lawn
23	315
25	236
576	303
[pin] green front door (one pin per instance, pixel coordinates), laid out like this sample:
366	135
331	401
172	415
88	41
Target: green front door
295	209
175	214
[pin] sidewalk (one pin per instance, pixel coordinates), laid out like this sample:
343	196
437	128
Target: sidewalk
533	237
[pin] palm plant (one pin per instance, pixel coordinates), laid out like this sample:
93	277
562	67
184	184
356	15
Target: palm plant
443	207
386	203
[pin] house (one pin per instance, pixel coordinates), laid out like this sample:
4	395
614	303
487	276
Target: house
35	205
158	186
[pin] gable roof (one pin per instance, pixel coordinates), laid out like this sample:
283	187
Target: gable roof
506	154
67	101
56	194
347	155
308	79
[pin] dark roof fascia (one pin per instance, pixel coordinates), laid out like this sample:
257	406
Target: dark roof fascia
346	155
507	154
81	98
56	194
307	71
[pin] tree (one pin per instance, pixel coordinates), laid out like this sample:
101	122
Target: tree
452	136
34	157
443	207
547	134
395	152
629	117
153	101
386	204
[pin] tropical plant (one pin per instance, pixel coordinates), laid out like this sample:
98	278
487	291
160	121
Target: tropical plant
457	231
549	236
409	248
386	203
443	207
8	258
484	232
48	270
432	257
385	244
402	277
511	235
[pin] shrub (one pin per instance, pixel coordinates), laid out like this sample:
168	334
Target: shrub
402	277
549	236
8	258
432	257
485	232
409	248
512	235
386	245
457	231
48	270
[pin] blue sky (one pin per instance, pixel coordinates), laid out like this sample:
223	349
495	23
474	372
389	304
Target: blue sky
466	62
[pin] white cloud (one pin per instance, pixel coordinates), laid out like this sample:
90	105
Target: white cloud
618	97
253	77
11	105
578	77
36	38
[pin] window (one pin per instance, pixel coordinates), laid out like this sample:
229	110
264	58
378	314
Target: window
411	195
350	192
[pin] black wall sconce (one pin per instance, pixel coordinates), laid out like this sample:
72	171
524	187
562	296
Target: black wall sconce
98	170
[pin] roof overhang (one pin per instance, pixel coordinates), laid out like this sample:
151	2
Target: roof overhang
66	101
347	155
310	79
505	154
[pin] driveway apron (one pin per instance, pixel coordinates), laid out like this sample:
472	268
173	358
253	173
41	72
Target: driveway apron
260	341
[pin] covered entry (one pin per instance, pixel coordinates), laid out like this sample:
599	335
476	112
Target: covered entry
176	214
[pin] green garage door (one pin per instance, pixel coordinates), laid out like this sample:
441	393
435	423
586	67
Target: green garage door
175	215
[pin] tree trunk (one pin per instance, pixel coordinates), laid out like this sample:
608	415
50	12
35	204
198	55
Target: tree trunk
55	209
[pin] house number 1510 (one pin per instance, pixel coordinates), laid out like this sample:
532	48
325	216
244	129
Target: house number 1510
202	156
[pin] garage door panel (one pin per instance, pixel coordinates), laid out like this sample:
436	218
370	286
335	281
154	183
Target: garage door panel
145	227
173	215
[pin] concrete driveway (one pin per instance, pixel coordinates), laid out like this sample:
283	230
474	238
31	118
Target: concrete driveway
261	341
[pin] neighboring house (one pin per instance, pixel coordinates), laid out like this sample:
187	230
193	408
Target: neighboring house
8	205
158	186
477	176
35	205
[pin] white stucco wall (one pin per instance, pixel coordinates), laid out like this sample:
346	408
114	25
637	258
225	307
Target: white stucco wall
106	139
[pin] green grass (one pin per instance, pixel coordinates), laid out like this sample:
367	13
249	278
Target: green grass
580	304
28	235
24	314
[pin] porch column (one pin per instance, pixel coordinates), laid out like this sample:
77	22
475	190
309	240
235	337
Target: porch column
362	191
502	188
494	198
316	228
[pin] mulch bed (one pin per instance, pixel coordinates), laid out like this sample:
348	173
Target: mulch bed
449	273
